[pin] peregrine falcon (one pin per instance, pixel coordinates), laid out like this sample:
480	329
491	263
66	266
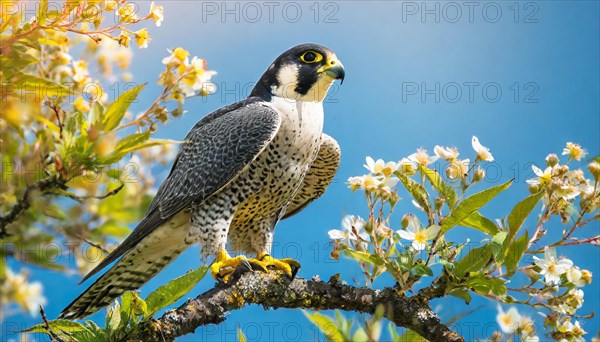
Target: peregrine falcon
241	169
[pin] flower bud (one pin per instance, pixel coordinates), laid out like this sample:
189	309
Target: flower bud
551	320
554	185
534	188
438	203
452	173
177	112
551	159
594	168
335	252
110	5
124	39
405	220
586	276
408	169
478	175
561	170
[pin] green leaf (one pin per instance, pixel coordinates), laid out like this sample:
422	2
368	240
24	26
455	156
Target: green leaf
114	174
363	256
471	204
515	252
42	87
42	12
149	143
393	333
326	325
415	190
116	110
241	336
72	122
462	294
360	335
113	317
139	306
473	261
10	65
485	285
422	270
125	145
344	325
411	336
446	191
520	212
447	264
481	223
499	246
96	114
97	334
126	305
132	140
174	290
62	327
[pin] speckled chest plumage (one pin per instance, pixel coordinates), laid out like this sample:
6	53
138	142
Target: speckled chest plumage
248	208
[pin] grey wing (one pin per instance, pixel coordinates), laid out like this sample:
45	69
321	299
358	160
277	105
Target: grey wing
215	151
318	177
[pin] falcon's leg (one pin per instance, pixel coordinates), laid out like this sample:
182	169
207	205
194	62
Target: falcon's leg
211	222
262	241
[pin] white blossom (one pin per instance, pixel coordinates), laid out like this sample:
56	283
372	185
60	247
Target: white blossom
574	151
483	152
574	276
380	167
351	226
543	176
446	153
420	157
552	267
157	13
508	321
417	234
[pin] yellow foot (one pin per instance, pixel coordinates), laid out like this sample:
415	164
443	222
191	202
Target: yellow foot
265	262
224	265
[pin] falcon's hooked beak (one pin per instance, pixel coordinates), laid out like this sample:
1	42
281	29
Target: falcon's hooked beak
334	69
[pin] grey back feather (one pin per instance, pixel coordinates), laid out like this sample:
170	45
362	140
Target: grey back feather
217	149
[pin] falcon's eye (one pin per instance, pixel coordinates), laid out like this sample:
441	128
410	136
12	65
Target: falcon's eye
311	57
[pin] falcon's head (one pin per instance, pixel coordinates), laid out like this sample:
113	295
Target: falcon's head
303	73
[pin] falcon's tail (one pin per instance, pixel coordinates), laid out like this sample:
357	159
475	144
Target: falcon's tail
134	269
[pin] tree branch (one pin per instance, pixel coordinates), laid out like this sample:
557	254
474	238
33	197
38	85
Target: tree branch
24	202
272	290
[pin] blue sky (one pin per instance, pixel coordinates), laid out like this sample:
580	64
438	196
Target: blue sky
524	79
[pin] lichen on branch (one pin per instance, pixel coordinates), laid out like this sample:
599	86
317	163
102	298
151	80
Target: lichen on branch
273	290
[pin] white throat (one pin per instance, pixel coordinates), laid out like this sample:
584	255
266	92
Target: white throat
304	118
288	81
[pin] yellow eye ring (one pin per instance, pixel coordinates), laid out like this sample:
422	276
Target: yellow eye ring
311	57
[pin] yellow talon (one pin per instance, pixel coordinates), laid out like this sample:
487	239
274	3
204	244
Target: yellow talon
289	266
224	265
